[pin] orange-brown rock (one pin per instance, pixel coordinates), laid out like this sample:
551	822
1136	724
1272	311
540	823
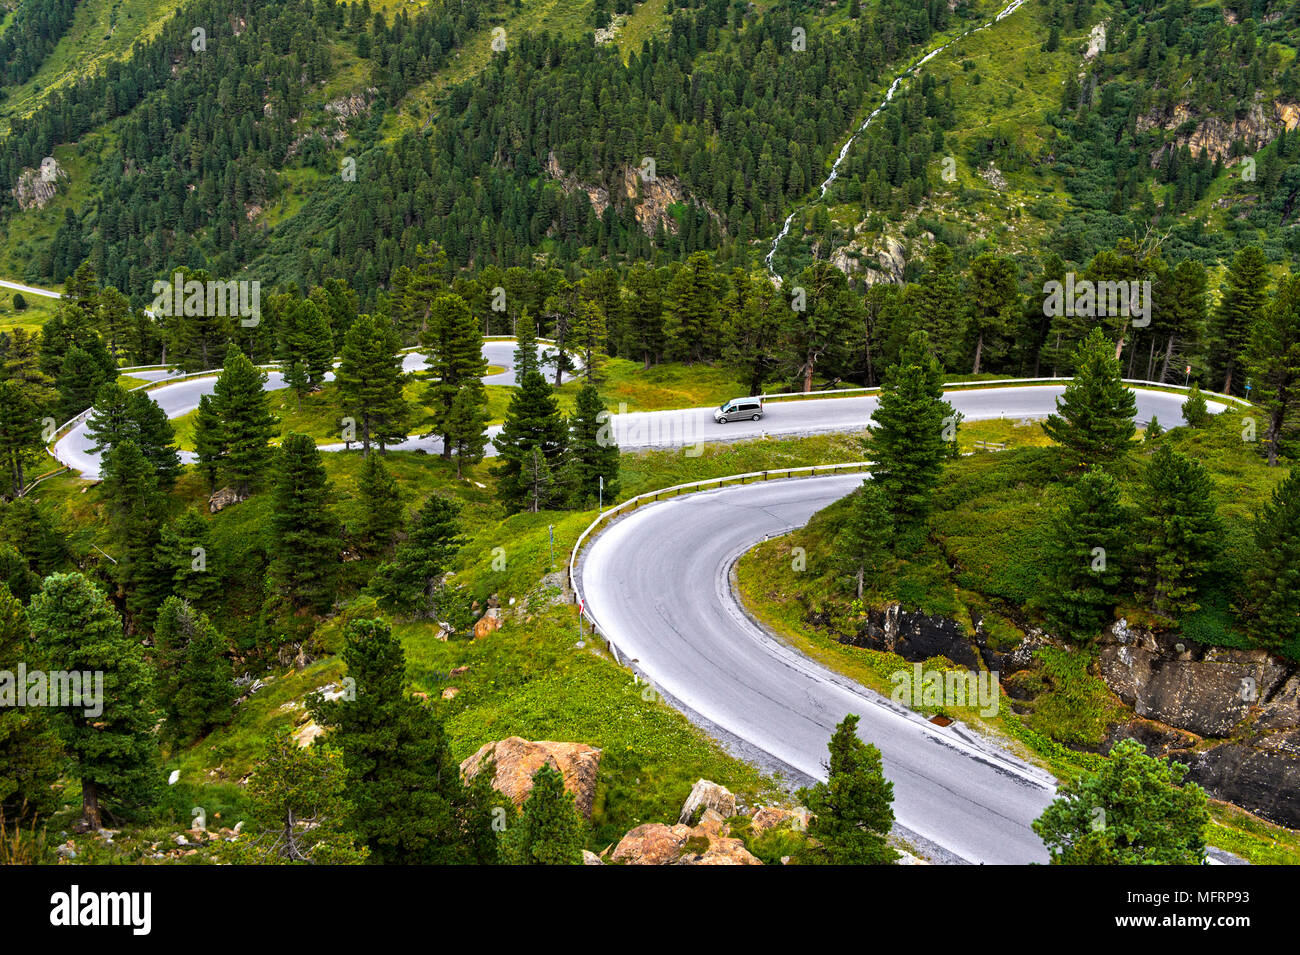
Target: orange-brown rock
652	844
517	759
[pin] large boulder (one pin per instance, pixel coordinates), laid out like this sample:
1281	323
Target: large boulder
223	499
707	795
652	844
517	759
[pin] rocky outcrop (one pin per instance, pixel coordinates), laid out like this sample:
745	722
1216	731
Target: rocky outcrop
223	499
1214	135
1192	696
707	795
36	187
489	623
889	255
1208	696
708	843
650	193
1264	781
773	817
914	636
517	759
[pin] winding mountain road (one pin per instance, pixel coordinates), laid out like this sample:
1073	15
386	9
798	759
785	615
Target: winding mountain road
657	582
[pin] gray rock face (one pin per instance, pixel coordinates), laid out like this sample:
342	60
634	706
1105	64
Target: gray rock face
1208	696
914	636
1266	782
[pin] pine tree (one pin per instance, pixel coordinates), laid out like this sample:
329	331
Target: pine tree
411	582
863	545
942	305
1272	358
853	810
1273	579
31	755
1195	411
1177	530
20	432
1241	303
1135	810
645	314
693	316
592	453
299	382
455	355
136	507
1094	418
120	415
300	807
908	432
994	299
466	424
209	442
247	424
193	679
532	420
114	752
370	381
549	831
184	557
525	346
306	340
304	540
407	801
1085	564
381	506
588	337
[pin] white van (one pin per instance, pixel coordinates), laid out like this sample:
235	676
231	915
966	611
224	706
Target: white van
739	409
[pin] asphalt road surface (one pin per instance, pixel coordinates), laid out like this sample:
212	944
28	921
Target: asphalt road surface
657	582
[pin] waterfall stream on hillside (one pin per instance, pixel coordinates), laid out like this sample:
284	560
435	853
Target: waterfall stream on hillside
1006	11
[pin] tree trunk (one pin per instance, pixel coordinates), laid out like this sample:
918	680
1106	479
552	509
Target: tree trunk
807	376
1227	379
91	816
1169	357
860	573
979	351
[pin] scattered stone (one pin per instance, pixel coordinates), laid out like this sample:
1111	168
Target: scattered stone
707	795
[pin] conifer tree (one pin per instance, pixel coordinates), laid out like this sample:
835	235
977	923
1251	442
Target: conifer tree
853	810
466	424
908	431
1241	303
411	582
31	754
185	559
407	801
370	382
592	454
532	421
1136	810
525	346
381	506
1273	578
193	679
209	442
121	415
1177	530
247	424
1094	418
1195	411
550	830
136	509
113	752
20	432
1272	359
455	355
1085	567
863	546
994	303
305	546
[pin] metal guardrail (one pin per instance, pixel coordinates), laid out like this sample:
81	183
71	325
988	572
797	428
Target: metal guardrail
632	503
993	383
